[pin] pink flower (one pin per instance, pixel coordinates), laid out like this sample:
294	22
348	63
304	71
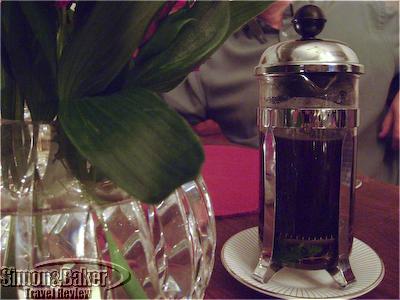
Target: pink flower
178	6
169	8
135	53
150	31
62	3
166	9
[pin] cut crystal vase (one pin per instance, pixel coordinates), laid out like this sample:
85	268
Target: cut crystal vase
69	236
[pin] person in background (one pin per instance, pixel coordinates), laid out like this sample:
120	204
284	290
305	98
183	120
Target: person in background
225	89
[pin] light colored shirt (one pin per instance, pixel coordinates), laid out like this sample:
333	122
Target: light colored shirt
225	89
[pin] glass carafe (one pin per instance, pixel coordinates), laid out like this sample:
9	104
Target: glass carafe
308	118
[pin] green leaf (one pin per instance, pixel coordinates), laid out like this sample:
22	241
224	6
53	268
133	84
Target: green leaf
133	287
16	156
42	18
165	35
136	140
82	12
5	61
28	63
12	105
103	46
243	11
196	42
118	81
16	37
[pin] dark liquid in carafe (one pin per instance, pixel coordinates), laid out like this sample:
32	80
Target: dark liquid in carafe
307	201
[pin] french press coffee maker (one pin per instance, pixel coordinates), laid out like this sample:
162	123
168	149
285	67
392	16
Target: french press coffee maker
308	119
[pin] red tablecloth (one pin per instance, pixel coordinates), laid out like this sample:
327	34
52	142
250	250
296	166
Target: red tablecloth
231	176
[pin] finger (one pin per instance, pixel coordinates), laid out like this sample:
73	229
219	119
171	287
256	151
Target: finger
386	124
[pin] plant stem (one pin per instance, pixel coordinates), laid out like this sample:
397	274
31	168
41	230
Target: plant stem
133	288
12	104
9	292
37	186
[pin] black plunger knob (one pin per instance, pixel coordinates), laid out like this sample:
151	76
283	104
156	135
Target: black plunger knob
309	21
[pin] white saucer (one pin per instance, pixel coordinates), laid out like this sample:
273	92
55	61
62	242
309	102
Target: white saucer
240	255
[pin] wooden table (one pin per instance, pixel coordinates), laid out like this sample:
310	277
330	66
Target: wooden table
376	223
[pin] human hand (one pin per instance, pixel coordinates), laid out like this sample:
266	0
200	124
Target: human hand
391	122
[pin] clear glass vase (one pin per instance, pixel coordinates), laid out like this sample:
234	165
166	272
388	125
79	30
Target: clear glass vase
61	236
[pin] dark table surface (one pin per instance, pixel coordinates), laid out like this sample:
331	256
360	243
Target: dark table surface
376	223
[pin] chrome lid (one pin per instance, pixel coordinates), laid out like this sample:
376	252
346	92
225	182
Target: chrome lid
309	54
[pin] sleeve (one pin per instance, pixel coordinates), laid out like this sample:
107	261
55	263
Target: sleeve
188	99
391	27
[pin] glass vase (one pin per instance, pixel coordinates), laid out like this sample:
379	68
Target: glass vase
80	238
